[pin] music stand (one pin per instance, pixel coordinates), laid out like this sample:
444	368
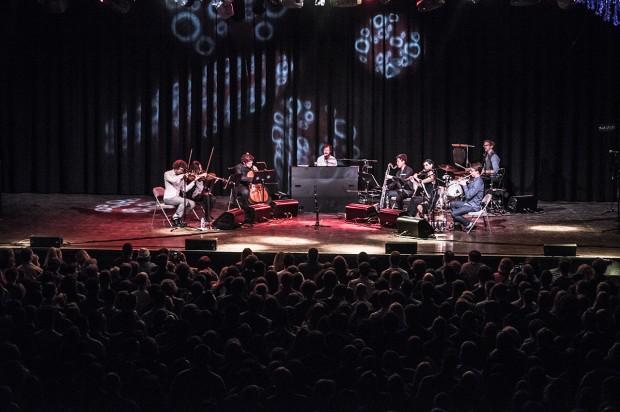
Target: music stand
233	179
460	153
266	176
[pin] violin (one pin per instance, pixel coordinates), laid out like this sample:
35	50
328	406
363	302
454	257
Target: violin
202	177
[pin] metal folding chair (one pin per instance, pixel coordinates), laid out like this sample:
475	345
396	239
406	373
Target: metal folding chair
158	194
482	213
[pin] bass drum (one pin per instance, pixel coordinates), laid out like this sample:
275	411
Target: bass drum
454	191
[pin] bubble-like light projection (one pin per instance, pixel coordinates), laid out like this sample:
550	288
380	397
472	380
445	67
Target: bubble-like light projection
130	206
298	118
386	37
192	26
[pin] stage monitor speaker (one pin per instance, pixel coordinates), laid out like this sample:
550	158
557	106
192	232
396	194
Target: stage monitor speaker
200	244
560	249
259	213
407	248
285	208
414	227
520	204
231	219
387	217
355	211
45	241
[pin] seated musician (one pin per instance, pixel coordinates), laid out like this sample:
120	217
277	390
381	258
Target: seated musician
174	182
491	159
424	190
327	159
399	187
474	191
243	180
201	192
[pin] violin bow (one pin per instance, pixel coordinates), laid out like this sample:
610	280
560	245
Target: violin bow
210	157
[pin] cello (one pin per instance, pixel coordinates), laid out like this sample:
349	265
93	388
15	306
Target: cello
258	191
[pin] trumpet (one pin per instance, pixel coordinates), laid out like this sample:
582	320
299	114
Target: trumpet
463	179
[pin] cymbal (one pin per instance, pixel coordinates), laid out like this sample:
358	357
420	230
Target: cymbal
449	168
463	145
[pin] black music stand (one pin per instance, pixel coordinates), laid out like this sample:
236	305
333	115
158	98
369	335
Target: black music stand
460	154
233	180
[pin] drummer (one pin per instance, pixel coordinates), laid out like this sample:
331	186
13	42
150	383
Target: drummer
424	189
474	191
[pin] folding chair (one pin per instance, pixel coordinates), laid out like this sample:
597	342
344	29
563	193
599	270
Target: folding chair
158	194
482	212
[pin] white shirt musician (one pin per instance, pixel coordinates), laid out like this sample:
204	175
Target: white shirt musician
174	183
327	159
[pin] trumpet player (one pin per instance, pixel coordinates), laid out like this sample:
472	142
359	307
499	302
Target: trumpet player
474	191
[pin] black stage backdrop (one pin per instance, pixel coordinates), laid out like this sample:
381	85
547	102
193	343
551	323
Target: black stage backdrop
94	101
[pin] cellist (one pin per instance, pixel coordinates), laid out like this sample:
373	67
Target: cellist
245	172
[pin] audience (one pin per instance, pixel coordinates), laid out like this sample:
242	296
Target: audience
321	336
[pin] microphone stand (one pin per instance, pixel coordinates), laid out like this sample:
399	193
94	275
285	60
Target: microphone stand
317	222
615	178
183	224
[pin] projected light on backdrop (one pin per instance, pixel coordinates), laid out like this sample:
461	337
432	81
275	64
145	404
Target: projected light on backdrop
298	118
393	47
190	25
256	95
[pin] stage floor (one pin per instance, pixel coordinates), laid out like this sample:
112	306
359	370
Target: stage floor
107	221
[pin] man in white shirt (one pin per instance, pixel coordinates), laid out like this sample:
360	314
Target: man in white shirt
327	159
174	182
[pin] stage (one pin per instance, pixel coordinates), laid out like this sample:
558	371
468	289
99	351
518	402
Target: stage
107	221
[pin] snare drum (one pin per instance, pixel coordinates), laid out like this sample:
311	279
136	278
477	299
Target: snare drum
454	191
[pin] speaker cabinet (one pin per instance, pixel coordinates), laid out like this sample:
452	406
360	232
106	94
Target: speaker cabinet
45	241
414	227
560	249
387	217
231	219
359	211
200	244
285	208
406	248
520	204
259	213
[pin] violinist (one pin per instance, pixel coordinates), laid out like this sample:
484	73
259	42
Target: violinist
400	187
245	174
424	189
201	192
174	182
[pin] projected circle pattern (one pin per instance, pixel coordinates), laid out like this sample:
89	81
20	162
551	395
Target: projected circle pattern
192	26
386	47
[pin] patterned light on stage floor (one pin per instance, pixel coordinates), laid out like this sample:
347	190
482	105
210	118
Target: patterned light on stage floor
281	240
556	228
352	249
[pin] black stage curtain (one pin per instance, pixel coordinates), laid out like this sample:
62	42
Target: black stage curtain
99	102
